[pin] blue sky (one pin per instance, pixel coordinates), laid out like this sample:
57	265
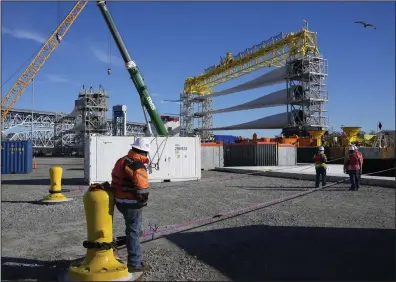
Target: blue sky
173	41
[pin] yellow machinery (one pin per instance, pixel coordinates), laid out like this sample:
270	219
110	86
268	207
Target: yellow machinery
351	133
55	191
258	57
34	67
317	134
100	264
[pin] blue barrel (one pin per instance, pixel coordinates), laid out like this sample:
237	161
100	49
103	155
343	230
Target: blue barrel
16	157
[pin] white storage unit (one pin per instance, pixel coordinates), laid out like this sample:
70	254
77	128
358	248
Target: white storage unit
211	156
177	158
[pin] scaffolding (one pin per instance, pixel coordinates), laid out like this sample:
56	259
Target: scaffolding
119	125
187	115
204	105
273	52
92	103
65	138
307	75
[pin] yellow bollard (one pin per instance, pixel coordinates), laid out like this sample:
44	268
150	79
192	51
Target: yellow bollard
55	191
100	264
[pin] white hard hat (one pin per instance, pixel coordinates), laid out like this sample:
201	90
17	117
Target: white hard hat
351	148
321	148
142	144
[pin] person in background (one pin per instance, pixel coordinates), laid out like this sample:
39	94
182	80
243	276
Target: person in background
130	185
320	160
360	155
352	167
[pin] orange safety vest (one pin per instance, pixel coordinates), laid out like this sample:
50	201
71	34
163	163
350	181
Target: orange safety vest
130	179
360	155
353	162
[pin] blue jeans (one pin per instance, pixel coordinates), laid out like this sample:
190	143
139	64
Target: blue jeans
354	176
133	223
320	173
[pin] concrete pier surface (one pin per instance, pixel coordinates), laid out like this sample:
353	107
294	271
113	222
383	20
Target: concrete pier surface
307	172
332	234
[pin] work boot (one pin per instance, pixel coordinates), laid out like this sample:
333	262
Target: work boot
141	268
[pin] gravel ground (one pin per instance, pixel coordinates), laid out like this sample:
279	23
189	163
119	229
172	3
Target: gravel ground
333	234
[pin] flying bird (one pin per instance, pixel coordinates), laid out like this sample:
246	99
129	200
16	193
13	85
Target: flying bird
365	24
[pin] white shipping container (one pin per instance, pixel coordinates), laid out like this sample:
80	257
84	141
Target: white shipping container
173	158
211	157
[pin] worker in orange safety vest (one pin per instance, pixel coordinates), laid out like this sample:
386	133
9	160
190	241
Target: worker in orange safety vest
352	166
320	160
360	155
130	185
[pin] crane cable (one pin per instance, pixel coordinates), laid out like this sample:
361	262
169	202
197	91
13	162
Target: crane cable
109	53
28	60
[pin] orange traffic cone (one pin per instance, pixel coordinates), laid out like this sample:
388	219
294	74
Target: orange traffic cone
34	163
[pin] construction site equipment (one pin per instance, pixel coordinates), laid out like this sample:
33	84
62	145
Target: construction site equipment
171	158
385	139
273	52
99	122
55	191
100	263
351	133
278	51
34	67
317	134
134	72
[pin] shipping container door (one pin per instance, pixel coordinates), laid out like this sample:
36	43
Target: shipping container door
185	152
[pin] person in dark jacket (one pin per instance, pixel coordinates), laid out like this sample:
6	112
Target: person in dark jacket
320	160
352	166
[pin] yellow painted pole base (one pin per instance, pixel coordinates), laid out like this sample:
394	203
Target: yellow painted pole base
130	277
55	198
100	266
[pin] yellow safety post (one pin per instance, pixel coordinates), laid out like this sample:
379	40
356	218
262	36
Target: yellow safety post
317	134
351	133
55	191
100	263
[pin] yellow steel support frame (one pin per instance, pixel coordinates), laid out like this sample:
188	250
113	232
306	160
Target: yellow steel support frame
34	67
303	42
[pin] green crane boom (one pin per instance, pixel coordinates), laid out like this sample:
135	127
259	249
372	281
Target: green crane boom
133	72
